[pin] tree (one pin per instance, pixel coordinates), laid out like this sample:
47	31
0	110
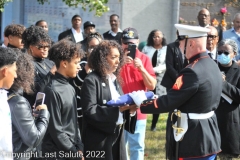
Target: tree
99	6
233	2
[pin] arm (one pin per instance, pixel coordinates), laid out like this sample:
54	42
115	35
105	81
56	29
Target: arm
232	91
149	78
101	117
175	97
30	131
56	130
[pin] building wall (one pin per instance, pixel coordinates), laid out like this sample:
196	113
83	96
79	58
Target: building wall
189	10
151	14
144	15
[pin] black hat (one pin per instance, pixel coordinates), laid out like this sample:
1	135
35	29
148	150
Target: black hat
87	24
129	34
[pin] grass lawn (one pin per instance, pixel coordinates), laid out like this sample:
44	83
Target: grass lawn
155	141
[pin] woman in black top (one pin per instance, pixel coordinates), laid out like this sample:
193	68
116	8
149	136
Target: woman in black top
228	113
37	42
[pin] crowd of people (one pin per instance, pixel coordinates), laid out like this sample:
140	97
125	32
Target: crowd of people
196	79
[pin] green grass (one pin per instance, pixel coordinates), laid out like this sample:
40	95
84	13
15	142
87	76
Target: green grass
155	141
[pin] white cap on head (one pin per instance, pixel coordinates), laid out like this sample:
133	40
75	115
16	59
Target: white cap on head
191	31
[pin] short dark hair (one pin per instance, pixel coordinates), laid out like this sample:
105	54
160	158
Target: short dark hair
113	15
33	35
150	38
64	50
98	58
38	22
14	30
25	73
76	15
7	56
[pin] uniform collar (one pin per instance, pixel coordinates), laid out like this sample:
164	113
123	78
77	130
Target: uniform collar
200	55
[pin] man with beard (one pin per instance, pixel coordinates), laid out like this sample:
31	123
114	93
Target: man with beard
234	34
203	18
115	33
212	41
75	32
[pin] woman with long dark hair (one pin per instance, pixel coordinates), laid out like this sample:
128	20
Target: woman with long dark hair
103	125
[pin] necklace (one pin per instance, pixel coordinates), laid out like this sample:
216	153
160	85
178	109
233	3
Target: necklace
42	65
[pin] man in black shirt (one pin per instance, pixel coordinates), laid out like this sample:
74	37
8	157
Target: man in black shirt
62	139
115	33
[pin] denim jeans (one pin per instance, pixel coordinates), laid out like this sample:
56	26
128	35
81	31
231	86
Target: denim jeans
135	142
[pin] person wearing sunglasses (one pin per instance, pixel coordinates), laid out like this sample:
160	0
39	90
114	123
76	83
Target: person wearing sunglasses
212	41
228	113
137	74
37	42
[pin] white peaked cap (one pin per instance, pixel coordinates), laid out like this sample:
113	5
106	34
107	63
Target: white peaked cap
191	31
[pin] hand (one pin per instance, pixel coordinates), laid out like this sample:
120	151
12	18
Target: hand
87	69
138	63
138	97
53	70
80	152
223	77
40	107
127	59
238	62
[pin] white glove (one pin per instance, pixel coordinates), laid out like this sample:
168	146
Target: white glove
138	97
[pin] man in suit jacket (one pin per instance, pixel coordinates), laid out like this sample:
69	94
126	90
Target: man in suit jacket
115	33
175	62
212	42
75	32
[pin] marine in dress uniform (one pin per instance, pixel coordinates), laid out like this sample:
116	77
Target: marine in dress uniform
196	95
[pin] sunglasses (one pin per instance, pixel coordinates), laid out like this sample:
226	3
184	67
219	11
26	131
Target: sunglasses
182	37
212	36
39	47
222	52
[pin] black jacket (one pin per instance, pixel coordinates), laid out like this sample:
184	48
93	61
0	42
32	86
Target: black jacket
108	36
100	130
174	64
197	90
228	115
27	132
65	34
63	133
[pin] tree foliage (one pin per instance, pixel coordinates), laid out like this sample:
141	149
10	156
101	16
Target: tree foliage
99	6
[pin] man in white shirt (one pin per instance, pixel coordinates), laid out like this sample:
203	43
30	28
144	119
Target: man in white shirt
212	41
75	33
8	70
203	18
115	33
